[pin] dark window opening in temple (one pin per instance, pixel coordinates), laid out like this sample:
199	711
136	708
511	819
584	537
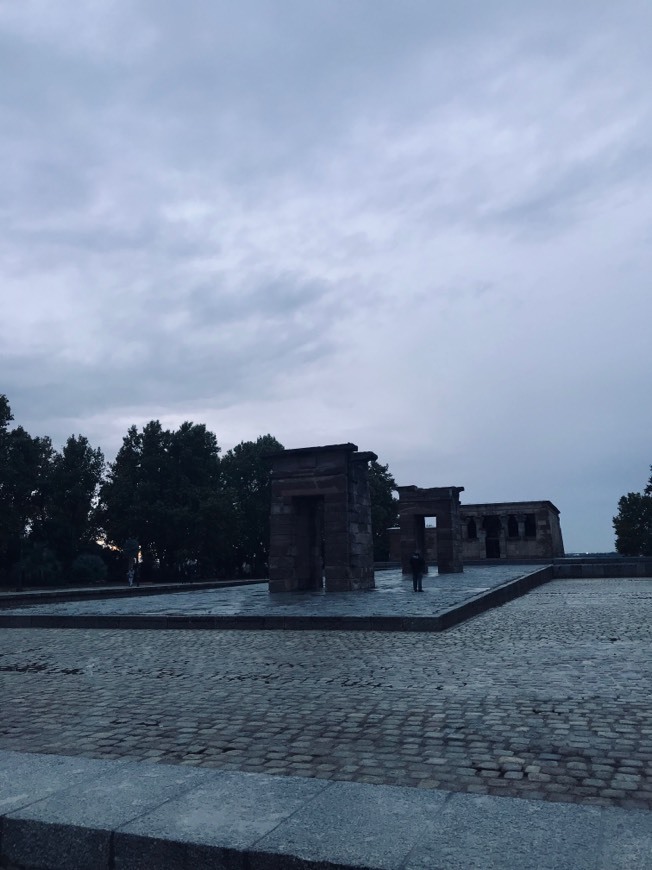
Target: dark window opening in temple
471	530
492	526
530	526
512	526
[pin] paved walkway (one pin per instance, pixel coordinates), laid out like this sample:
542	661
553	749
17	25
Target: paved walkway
547	697
392	596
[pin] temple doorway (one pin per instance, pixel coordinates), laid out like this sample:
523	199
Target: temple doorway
493	528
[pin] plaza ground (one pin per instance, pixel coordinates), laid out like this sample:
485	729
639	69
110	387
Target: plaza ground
547	697
392	596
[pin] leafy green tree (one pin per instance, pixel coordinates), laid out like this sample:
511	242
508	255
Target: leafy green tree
24	466
66	519
199	504
5	413
247	484
119	500
384	508
163	490
7	531
633	523
88	568
39	566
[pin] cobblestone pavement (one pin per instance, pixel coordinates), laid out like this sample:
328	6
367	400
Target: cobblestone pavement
547	697
393	596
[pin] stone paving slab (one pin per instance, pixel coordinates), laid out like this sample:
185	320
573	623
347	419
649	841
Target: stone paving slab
24	781
72	827
137	816
485	833
547	698
223	818
352	825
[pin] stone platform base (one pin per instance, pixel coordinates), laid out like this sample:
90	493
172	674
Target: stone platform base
432	616
70	813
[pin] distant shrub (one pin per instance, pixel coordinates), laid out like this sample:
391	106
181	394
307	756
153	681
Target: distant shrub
40	567
88	569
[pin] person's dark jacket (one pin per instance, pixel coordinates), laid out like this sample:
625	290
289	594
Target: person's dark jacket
417	563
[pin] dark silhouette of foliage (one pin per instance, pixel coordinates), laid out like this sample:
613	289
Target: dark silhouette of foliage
39	566
66	521
24	466
633	523
88	568
384	508
246	480
163	490
168	498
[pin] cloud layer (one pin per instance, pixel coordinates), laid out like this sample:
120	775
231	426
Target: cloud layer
424	227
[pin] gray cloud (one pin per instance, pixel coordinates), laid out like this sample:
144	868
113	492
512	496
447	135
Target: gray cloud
422	226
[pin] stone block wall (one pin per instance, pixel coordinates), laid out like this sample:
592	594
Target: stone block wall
415	504
512	530
320	519
516	530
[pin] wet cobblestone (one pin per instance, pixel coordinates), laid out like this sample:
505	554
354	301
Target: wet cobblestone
547	697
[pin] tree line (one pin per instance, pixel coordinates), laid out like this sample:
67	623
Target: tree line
170	495
633	523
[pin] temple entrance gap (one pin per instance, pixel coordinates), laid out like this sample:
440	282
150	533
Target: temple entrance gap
493	529
320	524
443	503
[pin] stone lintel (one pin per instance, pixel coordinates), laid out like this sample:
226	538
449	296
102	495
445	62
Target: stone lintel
507	507
325	448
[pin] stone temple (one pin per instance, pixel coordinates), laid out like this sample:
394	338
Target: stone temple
321	534
442	503
320	523
500	530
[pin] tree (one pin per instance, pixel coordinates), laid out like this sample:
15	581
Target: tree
247	484
633	523
5	413
66	518
89	568
163	490
39	565
384	508
24	465
118	508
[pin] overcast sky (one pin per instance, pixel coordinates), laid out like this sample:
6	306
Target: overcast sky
422	226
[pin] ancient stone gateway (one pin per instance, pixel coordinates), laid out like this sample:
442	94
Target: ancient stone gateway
442	502
320	524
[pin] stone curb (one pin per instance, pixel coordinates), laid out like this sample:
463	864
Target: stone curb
595	569
495	597
71	813
439	622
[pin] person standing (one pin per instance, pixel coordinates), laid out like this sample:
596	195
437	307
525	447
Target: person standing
418	566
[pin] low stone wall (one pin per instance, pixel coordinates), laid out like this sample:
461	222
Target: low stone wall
567	569
495	597
36	596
